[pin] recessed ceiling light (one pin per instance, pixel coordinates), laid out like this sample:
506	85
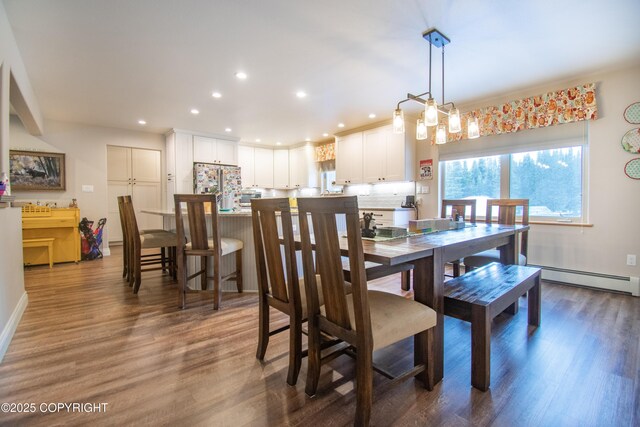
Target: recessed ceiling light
227	129
216	95
340	125
142	122
278	143
301	94
258	140
372	116
241	75
307	139
195	111
325	134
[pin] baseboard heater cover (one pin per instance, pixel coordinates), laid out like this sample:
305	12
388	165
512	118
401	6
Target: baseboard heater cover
589	279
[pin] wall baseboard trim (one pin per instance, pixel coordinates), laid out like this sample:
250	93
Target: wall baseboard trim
630	285
12	324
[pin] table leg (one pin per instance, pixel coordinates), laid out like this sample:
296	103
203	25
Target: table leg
508	257
428	288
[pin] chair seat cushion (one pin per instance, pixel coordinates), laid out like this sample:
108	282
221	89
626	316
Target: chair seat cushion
487	257
159	239
228	245
394	318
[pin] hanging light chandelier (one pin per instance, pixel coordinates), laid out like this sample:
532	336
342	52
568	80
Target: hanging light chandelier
429	117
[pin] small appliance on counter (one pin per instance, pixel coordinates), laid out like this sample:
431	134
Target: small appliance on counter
247	195
410	202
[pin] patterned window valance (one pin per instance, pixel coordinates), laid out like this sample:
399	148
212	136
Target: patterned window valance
562	106
326	152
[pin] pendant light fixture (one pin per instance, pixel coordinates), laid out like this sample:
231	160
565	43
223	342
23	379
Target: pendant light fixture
432	110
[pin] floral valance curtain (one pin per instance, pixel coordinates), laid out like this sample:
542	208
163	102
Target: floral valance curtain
562	106
326	152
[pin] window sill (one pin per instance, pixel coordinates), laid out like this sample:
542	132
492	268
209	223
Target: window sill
566	224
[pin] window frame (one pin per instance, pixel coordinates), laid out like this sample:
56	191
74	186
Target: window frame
505	184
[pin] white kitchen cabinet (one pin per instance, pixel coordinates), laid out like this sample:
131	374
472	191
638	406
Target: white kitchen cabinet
281	169
179	149
135	172
256	166
389	157
212	150
303	169
349	159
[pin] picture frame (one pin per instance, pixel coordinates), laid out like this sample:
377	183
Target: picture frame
37	171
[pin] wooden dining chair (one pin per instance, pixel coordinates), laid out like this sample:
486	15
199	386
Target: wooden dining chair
458	207
193	240
138	262
365	320
507	210
154	257
278	282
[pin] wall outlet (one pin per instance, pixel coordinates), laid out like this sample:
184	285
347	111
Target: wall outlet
631	259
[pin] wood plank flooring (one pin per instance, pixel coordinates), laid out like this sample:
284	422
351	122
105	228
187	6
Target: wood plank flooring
86	338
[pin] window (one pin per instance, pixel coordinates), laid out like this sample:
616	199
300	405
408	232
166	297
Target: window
552	180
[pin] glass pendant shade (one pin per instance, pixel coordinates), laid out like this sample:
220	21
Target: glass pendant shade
398	121
473	129
431	112
454	121
421	129
441	134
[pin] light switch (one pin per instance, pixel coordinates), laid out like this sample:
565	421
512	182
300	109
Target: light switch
87	188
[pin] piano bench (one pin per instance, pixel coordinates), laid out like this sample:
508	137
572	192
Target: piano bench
46	242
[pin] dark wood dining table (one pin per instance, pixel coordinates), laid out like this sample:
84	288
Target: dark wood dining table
428	253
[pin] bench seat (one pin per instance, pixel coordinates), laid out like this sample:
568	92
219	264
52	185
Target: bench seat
479	296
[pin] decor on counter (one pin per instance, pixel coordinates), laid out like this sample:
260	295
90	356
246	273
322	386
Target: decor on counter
631	141
632	168
326	152
569	105
632	113
37	171
432	110
74	203
368	225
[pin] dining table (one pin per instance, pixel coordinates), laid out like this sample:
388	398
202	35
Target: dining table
428	253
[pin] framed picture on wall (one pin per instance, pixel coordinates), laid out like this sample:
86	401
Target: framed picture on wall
36	171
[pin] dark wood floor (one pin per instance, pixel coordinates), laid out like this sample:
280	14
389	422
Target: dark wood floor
86	338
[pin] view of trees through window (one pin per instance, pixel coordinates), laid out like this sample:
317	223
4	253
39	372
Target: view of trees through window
550	179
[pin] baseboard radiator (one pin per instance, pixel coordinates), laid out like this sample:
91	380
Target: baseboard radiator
630	285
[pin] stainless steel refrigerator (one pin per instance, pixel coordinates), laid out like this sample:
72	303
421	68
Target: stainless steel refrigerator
222	180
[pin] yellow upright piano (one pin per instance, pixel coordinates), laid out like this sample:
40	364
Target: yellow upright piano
61	224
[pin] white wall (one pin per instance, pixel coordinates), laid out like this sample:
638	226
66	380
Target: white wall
614	199
85	148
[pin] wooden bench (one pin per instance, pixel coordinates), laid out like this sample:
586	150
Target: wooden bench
482	294
45	242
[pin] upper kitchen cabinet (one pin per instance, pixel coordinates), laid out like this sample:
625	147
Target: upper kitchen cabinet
281	169
212	150
179	151
256	166
303	169
349	159
383	156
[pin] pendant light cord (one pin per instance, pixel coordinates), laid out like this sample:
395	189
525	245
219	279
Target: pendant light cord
442	74
430	45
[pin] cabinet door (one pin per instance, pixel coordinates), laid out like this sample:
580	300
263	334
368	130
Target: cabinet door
204	149
247	166
118	163
147	195
145	165
349	159
170	151
374	148
115	189
263	167
395	161
226	152
281	169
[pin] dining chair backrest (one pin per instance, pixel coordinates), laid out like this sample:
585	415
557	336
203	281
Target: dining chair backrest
507	211
275	278
197	208
335	318
131	231
460	206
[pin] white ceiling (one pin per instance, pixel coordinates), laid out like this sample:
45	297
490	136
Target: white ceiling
113	62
